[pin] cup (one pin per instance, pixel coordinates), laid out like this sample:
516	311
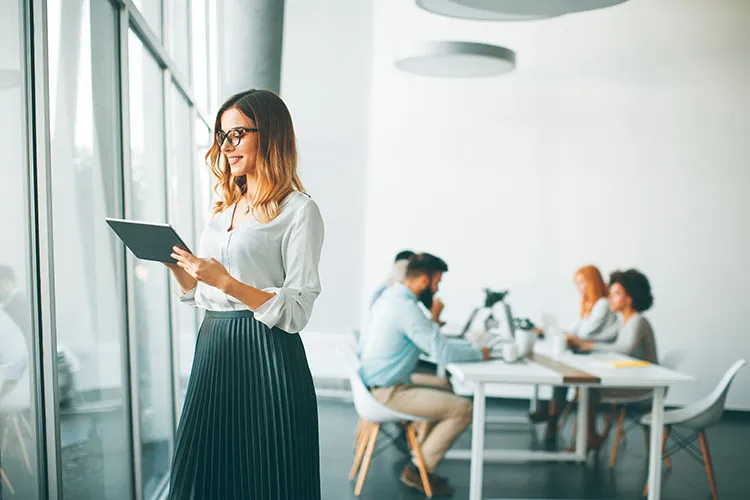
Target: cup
525	342
559	344
510	352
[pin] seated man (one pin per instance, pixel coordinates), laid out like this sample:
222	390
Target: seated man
398	333
397	274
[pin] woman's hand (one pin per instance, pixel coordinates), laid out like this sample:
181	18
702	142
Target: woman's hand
208	271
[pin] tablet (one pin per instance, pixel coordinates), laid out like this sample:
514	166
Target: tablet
147	240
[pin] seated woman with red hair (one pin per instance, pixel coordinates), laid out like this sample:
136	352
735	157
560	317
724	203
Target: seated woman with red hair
596	323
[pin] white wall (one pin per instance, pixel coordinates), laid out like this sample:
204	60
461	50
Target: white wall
325	81
620	140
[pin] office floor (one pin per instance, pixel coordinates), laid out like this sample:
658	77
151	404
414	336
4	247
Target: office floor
729	442
730	447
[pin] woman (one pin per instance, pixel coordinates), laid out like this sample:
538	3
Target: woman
249	426
629	296
595	322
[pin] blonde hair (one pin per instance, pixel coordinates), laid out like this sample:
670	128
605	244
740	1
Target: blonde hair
276	162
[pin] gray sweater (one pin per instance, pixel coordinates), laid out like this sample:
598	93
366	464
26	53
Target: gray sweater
636	339
600	325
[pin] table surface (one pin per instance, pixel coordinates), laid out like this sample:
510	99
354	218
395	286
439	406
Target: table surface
598	365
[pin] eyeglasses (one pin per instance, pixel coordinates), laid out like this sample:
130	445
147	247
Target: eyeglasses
234	135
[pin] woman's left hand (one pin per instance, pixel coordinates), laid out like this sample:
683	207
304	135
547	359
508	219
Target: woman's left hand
208	271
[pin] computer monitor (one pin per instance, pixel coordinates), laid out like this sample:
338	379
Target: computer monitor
467	326
509	320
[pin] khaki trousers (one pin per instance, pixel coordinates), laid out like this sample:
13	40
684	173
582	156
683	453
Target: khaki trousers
430	397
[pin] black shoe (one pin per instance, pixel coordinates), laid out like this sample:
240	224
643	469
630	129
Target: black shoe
440	487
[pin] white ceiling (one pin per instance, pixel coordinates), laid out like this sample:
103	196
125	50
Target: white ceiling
663	37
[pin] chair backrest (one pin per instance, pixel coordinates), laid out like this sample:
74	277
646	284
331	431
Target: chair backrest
365	403
708	411
673	359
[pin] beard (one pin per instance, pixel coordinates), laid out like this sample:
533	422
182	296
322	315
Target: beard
425	297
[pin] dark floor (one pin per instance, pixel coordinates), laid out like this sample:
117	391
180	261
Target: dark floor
729	444
97	469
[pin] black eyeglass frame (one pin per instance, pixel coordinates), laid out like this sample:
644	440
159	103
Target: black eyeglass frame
234	135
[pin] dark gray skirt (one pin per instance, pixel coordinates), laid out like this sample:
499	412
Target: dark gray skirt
249	427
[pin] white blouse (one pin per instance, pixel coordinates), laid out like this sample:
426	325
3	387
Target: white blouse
280	257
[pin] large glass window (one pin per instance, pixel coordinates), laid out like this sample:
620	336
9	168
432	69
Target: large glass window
18	460
182	217
148	202
179	39
199	46
151	10
89	303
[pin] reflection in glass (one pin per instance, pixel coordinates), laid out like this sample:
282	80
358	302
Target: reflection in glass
150	323
199	46
151	12
89	303
18	461
178	30
182	217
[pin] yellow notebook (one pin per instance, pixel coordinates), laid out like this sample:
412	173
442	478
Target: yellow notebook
629	363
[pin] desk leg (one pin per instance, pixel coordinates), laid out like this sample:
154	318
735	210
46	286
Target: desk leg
583	416
440	371
534	400
654	457
477	443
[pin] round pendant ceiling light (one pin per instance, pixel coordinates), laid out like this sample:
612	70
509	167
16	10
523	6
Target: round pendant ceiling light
511	10
447	59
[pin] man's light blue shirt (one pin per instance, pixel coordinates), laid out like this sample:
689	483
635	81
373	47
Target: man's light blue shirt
398	332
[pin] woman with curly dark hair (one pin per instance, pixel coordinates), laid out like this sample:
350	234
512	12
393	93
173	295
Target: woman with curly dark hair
629	296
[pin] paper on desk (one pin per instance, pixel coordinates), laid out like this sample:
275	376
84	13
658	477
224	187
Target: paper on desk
626	363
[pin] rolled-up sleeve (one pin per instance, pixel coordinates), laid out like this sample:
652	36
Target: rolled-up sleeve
186	297
292	305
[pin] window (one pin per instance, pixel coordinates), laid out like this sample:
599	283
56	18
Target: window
18	455
150	324
151	10
89	299
182	216
179	35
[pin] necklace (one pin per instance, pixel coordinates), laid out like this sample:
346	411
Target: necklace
247	206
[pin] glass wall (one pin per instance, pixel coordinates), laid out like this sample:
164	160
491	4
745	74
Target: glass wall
150	321
84	100
110	132
18	455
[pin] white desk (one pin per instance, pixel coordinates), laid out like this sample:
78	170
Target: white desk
530	372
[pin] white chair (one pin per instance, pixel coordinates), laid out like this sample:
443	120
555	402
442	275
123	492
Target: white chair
672	361
373	414
697	417
12	408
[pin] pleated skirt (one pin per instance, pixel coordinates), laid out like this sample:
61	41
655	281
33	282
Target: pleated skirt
249	426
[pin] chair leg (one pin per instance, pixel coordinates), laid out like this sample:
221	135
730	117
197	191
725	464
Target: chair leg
374	431
5	440
7	481
358	433
608	421
26	425
412	437
707	462
564	417
22	443
364	435
618	437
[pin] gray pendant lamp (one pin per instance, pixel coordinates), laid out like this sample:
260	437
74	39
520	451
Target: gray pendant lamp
448	59
511	10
